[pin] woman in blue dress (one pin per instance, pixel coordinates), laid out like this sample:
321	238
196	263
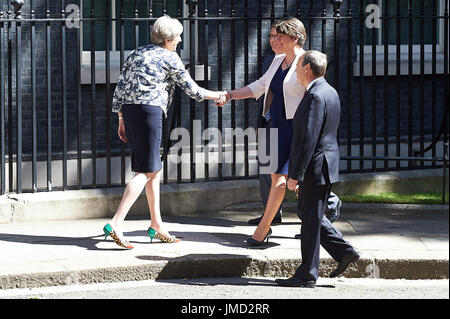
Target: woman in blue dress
279	85
279	121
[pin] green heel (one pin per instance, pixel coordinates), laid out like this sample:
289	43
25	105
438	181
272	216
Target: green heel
107	230
151	233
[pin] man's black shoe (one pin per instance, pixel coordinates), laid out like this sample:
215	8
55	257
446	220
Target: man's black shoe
333	215
343	264
255	221
296	282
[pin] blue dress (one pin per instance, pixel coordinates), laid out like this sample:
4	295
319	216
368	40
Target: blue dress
279	121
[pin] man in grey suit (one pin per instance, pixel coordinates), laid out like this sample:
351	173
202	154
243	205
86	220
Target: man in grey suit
313	168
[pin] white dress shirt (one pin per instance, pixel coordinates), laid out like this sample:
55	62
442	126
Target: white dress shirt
312	82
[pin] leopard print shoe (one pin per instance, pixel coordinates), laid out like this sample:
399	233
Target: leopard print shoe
109	231
154	234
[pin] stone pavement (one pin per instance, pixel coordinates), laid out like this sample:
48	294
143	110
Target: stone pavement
396	241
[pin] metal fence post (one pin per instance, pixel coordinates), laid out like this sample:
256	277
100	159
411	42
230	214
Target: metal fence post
337	16
444	166
2	109
33	101
192	10
49	98
17	4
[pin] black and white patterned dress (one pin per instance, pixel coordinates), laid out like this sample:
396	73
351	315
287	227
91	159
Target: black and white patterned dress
149	76
143	94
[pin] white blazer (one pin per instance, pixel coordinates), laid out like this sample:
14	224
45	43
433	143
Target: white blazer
292	91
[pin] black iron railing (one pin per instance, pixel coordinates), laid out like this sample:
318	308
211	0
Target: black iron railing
58	70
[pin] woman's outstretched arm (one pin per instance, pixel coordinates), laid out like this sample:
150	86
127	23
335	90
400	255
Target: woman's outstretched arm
238	94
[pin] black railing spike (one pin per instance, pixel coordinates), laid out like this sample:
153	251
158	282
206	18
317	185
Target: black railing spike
192	6
17	4
337	5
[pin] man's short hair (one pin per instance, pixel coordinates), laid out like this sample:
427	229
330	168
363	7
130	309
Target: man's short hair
293	27
317	61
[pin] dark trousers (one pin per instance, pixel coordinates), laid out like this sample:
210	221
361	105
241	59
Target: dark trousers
317	230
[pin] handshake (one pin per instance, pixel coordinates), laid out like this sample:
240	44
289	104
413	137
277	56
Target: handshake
223	98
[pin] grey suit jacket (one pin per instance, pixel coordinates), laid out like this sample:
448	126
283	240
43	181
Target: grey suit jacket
314	158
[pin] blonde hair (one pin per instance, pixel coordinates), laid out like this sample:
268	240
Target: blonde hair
293	27
165	28
275	24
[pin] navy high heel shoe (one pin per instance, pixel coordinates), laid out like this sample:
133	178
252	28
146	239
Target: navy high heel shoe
254	242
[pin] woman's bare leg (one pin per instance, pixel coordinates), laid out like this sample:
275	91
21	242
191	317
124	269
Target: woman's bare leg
276	196
152	190
132	191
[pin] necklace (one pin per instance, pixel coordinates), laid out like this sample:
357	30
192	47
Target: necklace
288	65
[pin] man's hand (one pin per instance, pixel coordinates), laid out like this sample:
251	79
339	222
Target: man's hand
292	184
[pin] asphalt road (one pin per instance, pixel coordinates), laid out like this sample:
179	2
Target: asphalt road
241	288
